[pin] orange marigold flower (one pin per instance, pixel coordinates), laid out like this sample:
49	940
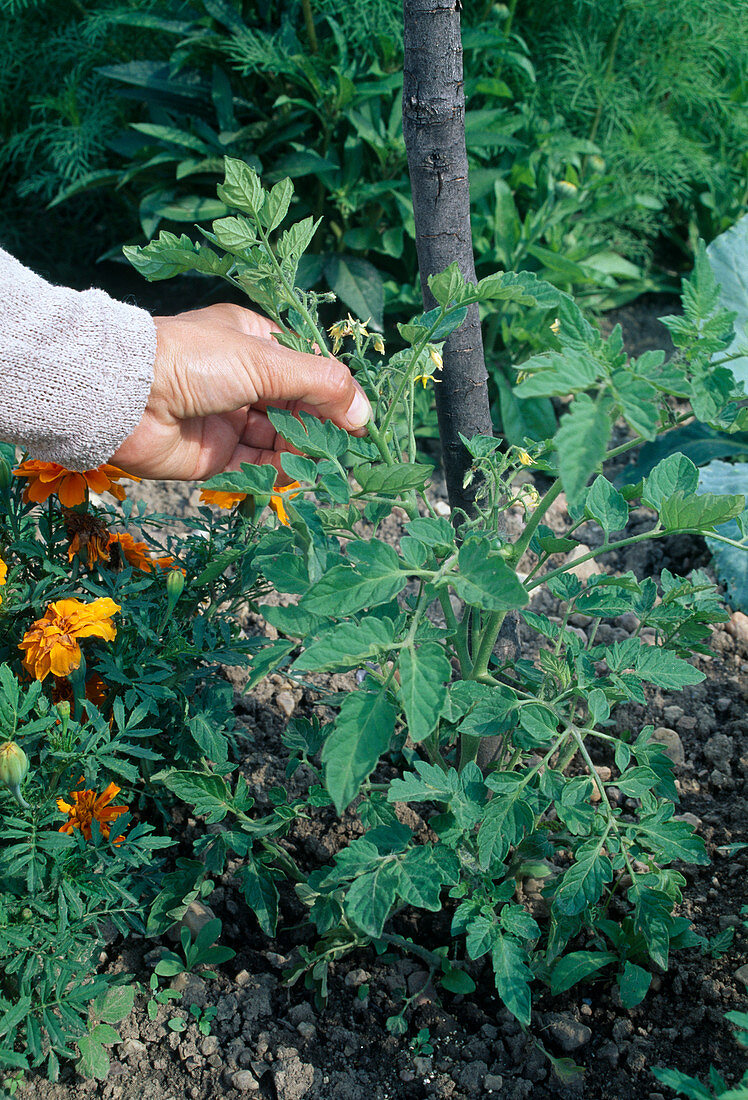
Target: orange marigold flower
87	533
3	574
221	500
136	553
276	500
87	806
51	643
46	478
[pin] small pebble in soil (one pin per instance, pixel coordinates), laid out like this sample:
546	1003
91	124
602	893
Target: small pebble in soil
671	743
355	978
738	628
245	1081
567	1032
286	703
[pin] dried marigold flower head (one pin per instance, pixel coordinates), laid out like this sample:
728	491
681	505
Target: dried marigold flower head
86	806
276	500
96	691
71	486
52	643
221	500
89	534
135	553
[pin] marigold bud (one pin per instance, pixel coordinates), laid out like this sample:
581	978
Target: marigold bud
174	585
14	766
5	474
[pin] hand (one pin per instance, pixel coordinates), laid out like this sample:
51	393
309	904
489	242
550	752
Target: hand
215	372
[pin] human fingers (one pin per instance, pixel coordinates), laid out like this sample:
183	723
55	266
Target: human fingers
205	366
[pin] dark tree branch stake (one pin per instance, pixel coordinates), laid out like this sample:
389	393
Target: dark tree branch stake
434	132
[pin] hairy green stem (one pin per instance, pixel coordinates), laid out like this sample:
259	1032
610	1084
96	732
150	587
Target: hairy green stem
430	957
459	641
488	641
654	533
525	538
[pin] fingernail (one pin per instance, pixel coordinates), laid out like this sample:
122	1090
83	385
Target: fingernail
359	413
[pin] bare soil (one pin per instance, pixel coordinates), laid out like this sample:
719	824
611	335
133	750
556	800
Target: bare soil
273	1042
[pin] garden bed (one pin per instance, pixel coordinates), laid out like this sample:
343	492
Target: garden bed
272	1041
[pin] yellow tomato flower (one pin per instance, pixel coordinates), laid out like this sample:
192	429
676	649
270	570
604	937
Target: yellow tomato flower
556	327
51	643
87	806
524	458
3	574
436	358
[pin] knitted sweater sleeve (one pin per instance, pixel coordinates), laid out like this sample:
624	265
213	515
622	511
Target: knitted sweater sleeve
76	368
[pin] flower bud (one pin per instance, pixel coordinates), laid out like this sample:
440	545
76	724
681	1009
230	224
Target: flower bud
174	585
5	474
174	589
14	766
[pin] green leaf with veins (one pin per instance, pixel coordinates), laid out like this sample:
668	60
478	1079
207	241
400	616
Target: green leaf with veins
639	401
682	511
425	672
605	504
345	591
310	435
371	896
512	975
670	840
507	818
672	473
581	442
633	984
577	966
555	374
362	732
485	579
241	187
346	645
583	883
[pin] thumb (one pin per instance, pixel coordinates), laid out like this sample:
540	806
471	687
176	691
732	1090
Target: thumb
316	383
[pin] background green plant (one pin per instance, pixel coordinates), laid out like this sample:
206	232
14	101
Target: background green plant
595	144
